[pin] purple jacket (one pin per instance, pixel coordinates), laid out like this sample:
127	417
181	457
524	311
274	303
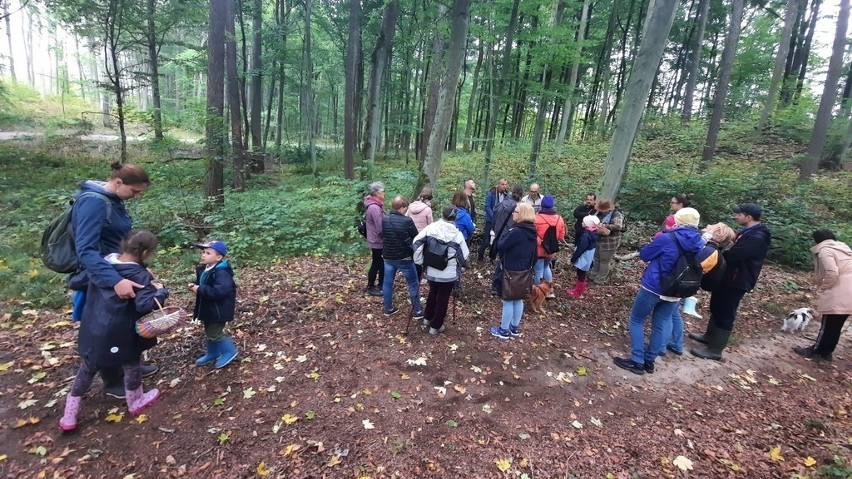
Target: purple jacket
373	216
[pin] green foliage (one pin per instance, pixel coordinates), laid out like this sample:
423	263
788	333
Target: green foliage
839	468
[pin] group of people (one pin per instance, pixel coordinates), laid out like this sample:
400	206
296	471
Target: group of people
522	228
113	288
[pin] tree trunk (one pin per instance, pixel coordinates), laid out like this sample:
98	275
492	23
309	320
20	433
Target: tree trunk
543	102
845	157
606	75
11	56
727	62
572	81
27	33
780	58
279	126
381	54
309	87
497	92
214	189
659	23
460	16
829	94
351	104
434	78
233	89
153	60
80	67
693	65
474	92
256	88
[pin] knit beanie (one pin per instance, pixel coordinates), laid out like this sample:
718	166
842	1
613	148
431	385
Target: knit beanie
548	202
687	216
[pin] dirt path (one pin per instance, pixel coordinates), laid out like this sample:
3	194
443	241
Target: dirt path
329	387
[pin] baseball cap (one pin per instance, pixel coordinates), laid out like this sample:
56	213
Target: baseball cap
751	209
216	246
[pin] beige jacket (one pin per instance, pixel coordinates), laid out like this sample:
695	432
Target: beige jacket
833	270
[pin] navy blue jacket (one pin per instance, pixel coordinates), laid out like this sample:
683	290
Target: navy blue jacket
96	235
492	199
662	254
585	241
216	297
745	258
517	247
107	334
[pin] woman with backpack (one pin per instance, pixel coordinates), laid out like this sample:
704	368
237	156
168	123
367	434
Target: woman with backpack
100	222
373	213
609	238
550	230
441	250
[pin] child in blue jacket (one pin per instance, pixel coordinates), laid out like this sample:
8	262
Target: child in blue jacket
215	301
584	253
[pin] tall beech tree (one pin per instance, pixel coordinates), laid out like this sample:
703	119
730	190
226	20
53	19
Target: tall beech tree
214	188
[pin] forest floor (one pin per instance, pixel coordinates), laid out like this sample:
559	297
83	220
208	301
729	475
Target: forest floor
327	386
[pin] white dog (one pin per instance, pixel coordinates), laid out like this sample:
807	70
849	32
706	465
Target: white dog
797	320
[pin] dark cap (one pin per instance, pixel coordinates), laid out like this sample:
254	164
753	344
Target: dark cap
216	246
548	202
751	209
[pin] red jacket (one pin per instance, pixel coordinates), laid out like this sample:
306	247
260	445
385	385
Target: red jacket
542	222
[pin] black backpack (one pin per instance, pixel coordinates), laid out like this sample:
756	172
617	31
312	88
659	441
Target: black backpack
685	279
361	225
58	248
713	278
436	253
549	243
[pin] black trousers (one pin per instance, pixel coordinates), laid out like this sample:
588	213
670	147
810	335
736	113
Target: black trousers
723	306
486	240
829	333
377	268
437	303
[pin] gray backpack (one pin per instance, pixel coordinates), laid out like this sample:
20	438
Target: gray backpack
58	249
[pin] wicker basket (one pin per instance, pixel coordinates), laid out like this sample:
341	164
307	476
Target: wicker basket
160	322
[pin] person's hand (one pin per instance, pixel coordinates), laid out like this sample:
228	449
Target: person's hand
192	287
125	289
157	285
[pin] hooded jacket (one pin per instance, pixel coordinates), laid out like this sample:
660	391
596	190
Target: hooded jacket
517	247
107	334
398	232
421	213
833	274
745	257
544	220
662	254
373	218
216	297
464	223
95	235
457	253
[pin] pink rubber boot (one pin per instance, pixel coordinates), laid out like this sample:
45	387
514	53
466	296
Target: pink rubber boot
68	422
578	289
137	400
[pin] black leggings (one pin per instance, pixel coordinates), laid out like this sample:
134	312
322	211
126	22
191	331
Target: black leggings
377	268
86	373
724	303
829	333
581	275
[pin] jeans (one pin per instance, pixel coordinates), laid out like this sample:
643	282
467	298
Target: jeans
543	271
512	311
406	266
676	336
646	303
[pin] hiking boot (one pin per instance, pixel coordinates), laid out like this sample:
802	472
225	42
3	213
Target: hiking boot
115	391
515	332
808	352
392	312
628	364
499	332
718	341
649	367
374	292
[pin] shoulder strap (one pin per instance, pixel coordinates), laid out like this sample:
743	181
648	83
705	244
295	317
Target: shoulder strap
104	198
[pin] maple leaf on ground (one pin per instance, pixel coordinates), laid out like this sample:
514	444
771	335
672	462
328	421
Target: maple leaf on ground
683	463
775	454
114	417
290	449
334	460
367	424
809	461
503	464
262	471
249	393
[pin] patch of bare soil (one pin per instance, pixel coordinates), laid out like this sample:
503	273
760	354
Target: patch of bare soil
327	386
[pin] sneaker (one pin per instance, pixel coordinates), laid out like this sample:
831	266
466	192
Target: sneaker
425	322
419	317
392	311
672	349
147	370
499	332
434	331
649	367
515	332
116	391
374	291
635	368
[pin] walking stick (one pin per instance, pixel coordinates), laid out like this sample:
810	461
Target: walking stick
410	316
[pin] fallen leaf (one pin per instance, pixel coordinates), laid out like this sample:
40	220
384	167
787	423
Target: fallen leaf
289	418
301	358
334	460
249	393
290	449
395	395
460	389
775	454
503	464
367	424
577	424
452	424
141	418
262	471
37	377
310	415
683	463
6	366
421	361
114	417
582	371
487	408
809	461
314	375
3	457
223	438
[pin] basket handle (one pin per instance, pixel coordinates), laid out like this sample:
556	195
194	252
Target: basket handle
159	305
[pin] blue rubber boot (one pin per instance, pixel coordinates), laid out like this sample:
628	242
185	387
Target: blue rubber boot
212	354
227	351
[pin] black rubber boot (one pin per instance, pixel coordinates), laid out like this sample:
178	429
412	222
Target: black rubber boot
718	341
704	338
